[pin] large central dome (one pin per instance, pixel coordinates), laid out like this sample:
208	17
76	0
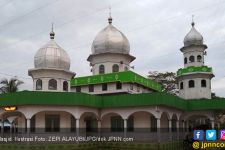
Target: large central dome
110	40
52	56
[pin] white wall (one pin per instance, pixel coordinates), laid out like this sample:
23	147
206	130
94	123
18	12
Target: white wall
126	88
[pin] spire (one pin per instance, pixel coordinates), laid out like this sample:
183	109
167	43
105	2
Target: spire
110	17
192	23
52	34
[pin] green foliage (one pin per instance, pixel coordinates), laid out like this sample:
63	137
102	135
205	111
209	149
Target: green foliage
167	80
10	86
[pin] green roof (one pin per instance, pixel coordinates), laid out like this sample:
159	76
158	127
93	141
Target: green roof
113	101
193	69
124	77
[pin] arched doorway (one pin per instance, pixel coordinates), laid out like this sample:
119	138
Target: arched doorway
52	122
88	123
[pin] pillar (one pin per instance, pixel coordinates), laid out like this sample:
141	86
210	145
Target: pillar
28	126
77	126
125	127
2	126
177	125
158	129
183	125
158	124
178	129
212	124
170	125
187	126
218	125
99	127
170	130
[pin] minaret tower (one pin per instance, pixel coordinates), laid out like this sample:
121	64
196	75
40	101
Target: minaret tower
110	51
51	68
194	79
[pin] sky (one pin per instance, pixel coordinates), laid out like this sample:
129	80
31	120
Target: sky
155	30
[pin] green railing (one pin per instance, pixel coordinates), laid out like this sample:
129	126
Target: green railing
193	69
124	77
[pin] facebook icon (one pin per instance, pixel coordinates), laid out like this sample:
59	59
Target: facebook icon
198	135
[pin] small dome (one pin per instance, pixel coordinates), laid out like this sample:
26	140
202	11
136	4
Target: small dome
52	56
110	39
193	37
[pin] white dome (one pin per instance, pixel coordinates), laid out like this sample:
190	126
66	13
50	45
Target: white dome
193	37
111	40
52	56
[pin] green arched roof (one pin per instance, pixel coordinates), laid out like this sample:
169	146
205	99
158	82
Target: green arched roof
112	101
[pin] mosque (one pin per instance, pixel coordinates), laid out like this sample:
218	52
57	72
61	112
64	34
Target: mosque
114	99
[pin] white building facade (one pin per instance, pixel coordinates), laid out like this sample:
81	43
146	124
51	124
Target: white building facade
114	97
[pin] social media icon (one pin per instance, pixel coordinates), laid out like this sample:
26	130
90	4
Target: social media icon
222	134
211	135
198	135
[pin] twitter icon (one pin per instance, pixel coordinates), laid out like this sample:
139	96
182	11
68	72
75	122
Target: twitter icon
211	135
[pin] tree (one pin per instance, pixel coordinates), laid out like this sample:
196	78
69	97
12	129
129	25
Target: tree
167	81
9	86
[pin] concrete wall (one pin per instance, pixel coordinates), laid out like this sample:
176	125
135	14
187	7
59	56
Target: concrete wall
126	88
197	92
46	74
108	60
194	51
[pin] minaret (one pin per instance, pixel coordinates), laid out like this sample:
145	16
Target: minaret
194	80
51	70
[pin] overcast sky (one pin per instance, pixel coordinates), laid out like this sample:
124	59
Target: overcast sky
154	28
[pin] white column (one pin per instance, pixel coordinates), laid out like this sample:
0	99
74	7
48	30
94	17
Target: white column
218	125
183	125
125	127
158	124
2	126
28	126
99	127
212	124
158	129
77	126
187	126
170	125
177	124
11	128
178	129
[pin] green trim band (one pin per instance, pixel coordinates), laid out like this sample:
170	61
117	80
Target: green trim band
124	77
194	69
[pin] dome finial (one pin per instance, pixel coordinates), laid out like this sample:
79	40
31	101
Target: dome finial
52	34
110	17
193	23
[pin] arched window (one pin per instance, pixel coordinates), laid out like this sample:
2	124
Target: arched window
185	60
39	84
115	68
191	83
181	85
199	58
65	86
101	69
203	83
192	59
52	84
